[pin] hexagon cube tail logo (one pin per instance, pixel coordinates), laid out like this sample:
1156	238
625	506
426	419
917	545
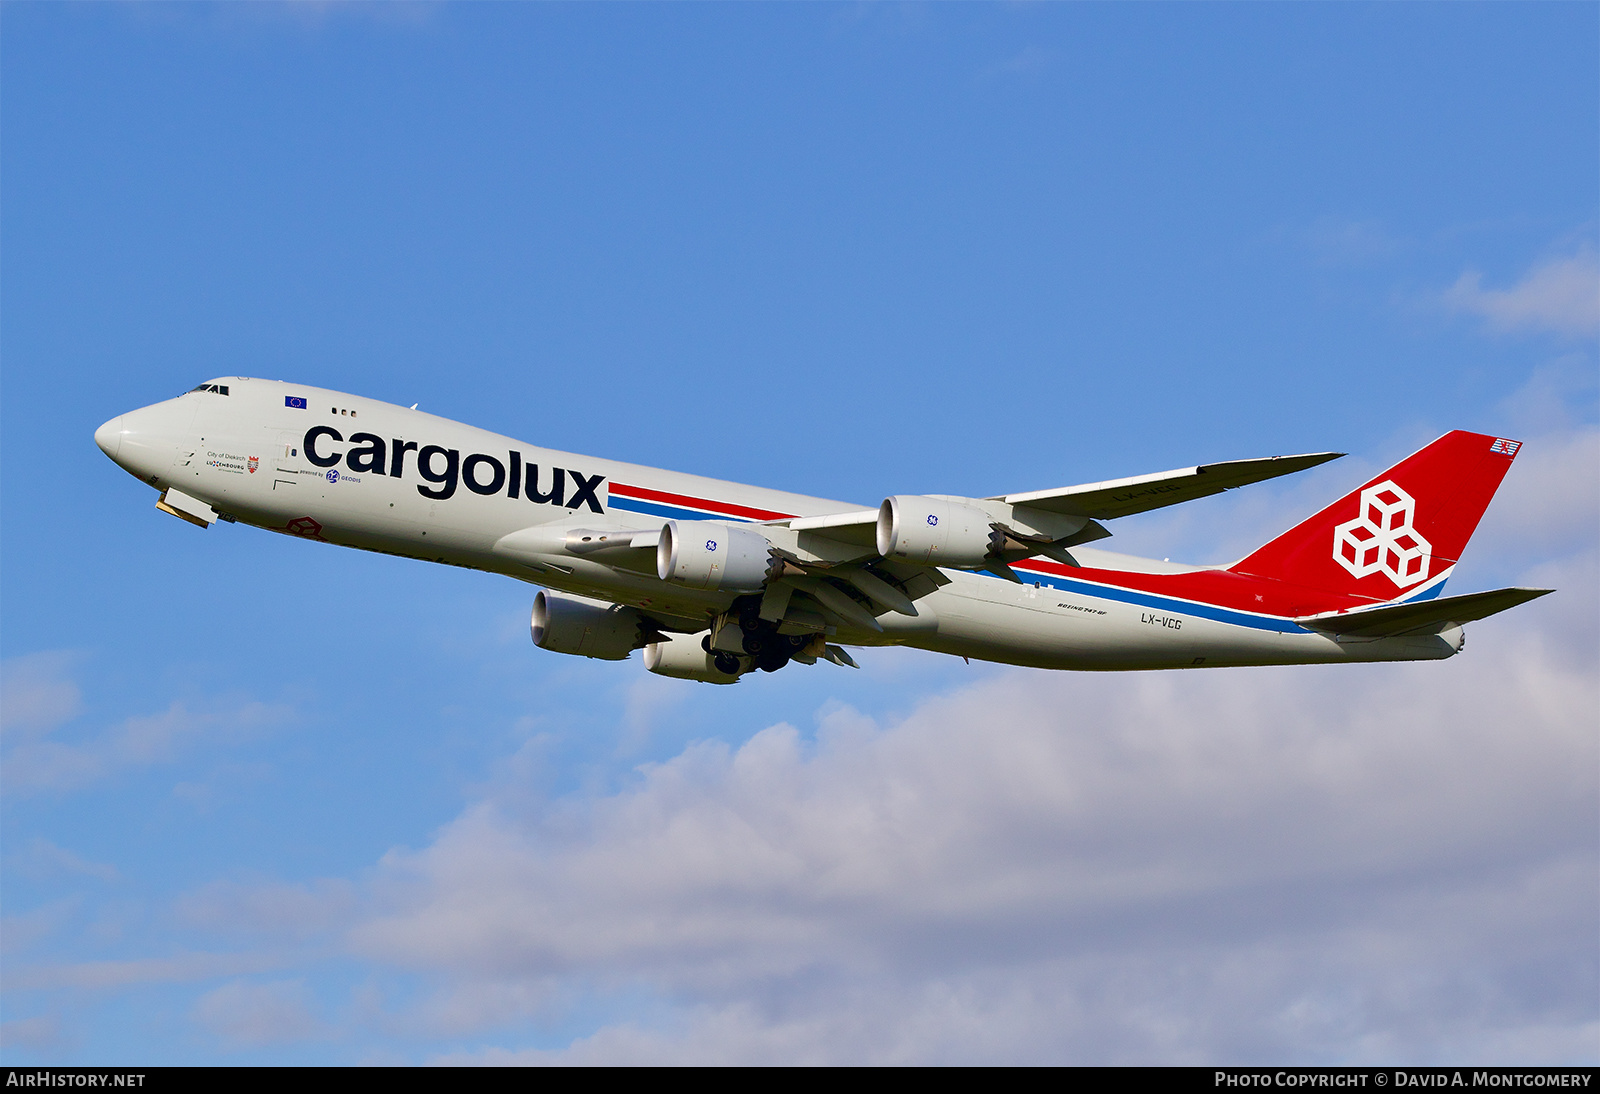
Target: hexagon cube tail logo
1383	539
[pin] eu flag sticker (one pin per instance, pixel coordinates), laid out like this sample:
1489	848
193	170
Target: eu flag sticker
296	401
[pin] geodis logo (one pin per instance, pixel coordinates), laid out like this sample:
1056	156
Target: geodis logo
444	469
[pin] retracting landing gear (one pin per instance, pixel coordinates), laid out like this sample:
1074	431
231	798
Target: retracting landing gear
762	641
741	641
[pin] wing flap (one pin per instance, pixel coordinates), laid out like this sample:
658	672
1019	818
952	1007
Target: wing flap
1419	616
1124	497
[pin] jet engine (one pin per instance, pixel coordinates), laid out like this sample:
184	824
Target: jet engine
702	554
935	532
588	628
683	657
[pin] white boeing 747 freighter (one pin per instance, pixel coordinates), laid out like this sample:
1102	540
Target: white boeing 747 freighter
714	579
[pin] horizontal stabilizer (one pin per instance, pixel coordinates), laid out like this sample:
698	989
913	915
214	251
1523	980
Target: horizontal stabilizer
1419	616
1124	497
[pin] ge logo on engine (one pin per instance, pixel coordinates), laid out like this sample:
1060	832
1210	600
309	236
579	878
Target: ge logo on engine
1382	538
711	545
932	519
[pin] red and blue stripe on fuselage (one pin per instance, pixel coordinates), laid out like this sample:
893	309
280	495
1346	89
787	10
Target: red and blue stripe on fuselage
1394	539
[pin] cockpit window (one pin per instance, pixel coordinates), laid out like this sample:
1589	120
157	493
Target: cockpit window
220	389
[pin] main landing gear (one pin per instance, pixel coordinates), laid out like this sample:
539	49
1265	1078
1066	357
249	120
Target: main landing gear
757	637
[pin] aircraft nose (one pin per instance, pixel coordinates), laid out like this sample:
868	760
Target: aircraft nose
109	437
143	442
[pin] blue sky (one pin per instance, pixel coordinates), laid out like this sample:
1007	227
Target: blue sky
266	801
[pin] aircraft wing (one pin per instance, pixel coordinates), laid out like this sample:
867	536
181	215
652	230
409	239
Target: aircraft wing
856	528
1419	616
832	562
1096	500
1124	497
852	538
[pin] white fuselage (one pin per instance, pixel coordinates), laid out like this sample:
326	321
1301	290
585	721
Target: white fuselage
440	491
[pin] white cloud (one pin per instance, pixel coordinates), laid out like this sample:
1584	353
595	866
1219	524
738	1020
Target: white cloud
36	693
1352	242
270	909
1557	394
21	930
244	1014
36	763
45	858
111	975
1548	501
36	1034
1560	295
648	697
1353	863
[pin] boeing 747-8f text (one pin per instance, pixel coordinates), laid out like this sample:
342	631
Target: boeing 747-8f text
713	579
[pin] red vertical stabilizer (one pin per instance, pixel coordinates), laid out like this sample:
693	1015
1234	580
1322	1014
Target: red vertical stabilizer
1399	533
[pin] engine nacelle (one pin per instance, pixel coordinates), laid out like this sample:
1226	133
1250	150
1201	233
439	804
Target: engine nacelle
702	554
588	628
684	658
935	532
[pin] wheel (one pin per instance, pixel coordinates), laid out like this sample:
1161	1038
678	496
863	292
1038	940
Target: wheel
754	644
772	660
726	663
705	643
